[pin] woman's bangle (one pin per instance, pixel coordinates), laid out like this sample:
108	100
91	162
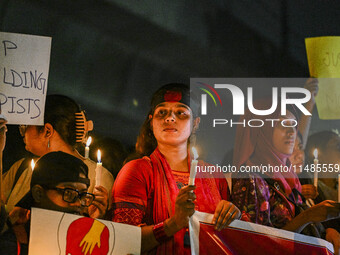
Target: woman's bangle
159	233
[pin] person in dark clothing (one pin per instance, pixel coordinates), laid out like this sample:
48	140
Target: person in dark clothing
59	183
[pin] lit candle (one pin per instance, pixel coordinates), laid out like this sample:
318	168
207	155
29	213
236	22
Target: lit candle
316	162
98	169
87	148
193	167
32	165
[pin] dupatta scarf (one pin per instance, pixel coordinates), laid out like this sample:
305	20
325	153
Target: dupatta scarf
254	146
165	193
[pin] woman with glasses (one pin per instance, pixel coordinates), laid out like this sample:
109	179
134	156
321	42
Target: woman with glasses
65	127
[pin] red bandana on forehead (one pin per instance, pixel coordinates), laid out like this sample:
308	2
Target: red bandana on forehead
173	92
172	96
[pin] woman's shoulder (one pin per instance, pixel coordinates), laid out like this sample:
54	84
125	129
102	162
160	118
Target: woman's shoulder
144	160
246	179
137	172
141	165
90	163
10	174
16	165
92	167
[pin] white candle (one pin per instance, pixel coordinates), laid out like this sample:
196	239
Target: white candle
193	167
32	165
310	202
316	162
87	148
339	188
98	169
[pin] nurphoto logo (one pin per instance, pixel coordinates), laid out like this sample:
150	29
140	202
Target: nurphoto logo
239	100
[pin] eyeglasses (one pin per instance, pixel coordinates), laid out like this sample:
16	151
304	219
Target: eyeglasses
71	196
22	130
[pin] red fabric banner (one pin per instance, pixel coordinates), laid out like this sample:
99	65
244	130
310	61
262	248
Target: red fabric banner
238	241
244	238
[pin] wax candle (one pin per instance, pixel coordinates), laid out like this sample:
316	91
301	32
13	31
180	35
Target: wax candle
316	162
98	169
193	167
87	148
32	165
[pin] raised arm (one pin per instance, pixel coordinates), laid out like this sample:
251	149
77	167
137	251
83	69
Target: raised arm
304	123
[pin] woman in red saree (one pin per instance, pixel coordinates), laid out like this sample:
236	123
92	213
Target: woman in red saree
153	192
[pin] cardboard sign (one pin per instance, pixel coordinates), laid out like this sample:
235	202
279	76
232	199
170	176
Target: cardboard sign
323	55
58	233
328	98
24	65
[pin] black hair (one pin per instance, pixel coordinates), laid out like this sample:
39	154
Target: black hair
60	112
318	140
146	141
300	136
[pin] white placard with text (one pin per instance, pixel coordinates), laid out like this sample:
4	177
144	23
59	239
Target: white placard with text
24	66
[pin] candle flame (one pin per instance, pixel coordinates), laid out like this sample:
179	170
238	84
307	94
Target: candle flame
194	151
89	140
99	156
32	164
315	153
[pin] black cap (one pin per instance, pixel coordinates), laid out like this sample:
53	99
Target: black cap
175	92
54	168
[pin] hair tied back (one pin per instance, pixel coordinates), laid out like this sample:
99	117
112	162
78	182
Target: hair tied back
82	126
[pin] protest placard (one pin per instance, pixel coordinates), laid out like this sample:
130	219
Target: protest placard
323	55
24	66
56	233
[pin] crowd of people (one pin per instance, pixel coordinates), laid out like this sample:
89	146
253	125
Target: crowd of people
151	190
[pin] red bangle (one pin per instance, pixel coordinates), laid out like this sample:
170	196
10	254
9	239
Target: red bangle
159	233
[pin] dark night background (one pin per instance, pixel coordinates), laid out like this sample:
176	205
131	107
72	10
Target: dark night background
110	55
